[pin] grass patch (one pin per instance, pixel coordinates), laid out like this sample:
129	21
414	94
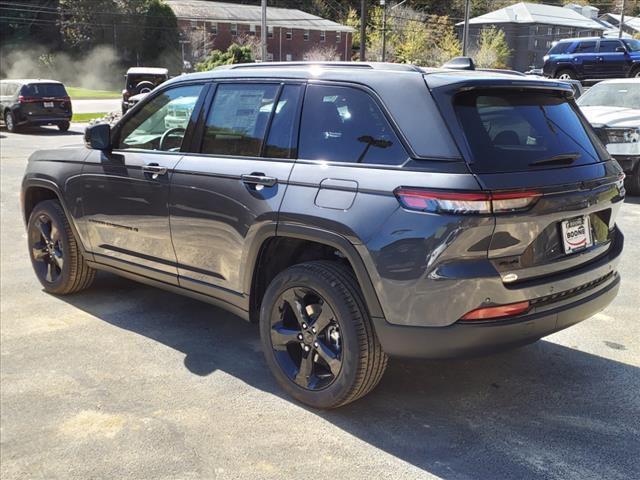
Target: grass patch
85	94
86	117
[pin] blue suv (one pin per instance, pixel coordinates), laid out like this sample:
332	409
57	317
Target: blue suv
593	58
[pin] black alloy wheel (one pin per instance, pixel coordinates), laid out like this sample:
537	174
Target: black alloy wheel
47	249
305	336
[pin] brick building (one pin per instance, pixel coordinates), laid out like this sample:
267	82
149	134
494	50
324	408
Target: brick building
291	34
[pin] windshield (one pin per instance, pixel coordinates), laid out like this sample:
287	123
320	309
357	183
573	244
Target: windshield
632	44
512	131
618	94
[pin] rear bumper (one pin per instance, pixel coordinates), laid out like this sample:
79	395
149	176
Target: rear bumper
48	120
467	339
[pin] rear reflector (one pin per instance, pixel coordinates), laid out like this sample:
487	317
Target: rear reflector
464	202
499	311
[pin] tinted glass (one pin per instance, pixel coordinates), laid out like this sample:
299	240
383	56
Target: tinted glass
43	90
238	119
509	131
343	124
559	48
585	47
632	44
162	122
609	46
616	94
281	142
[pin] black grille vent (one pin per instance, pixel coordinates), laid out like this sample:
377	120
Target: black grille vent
537	302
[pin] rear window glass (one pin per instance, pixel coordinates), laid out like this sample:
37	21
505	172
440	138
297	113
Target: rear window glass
516	131
44	90
559	48
585	47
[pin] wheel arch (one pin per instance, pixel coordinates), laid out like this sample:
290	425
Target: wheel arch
262	265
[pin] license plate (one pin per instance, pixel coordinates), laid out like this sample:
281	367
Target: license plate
48	104
576	234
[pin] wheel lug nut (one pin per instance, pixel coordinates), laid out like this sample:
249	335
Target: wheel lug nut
304	325
315	344
313	329
299	336
306	348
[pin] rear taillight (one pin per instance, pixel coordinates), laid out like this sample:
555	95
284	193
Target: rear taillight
499	311
23	99
464	202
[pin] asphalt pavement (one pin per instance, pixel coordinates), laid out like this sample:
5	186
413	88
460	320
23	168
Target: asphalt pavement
125	381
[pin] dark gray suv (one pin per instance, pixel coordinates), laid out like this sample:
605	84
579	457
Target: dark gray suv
355	211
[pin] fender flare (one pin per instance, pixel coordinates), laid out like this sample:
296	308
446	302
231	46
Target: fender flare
314	234
53	187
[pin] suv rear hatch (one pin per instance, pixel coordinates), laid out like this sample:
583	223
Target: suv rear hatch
47	100
553	190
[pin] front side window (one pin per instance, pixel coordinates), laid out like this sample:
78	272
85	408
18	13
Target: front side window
162	122
609	46
344	124
519	131
238	119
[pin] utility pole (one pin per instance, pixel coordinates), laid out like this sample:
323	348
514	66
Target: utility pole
465	29
363	28
263	31
622	18
383	4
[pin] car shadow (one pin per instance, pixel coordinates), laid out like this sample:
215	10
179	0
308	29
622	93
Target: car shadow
633	199
543	411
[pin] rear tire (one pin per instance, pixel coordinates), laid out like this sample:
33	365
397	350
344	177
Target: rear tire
10	122
64	126
334	364
566	74
53	248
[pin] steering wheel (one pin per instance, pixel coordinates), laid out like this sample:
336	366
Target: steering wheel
166	135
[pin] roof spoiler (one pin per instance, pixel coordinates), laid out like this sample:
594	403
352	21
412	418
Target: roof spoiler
460	63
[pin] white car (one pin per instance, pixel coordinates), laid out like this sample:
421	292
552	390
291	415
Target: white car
613	109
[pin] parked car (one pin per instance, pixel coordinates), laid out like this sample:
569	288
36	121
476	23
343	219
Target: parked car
613	109
34	103
593	58
355	211
141	80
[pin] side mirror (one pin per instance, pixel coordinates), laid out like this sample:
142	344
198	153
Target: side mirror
98	137
621	50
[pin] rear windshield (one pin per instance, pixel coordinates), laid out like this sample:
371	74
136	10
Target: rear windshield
559	48
516	131
43	90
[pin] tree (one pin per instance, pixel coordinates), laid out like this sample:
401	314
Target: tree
161	39
492	50
234	54
87	23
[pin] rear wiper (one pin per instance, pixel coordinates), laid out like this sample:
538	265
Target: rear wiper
562	159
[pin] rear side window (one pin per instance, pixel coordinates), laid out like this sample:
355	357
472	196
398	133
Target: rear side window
559	48
585	47
344	124
609	46
281	140
238	119
43	90
517	131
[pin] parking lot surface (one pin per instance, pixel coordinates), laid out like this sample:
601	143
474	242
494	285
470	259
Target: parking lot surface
125	381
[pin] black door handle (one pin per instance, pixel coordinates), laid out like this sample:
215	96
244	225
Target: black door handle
259	179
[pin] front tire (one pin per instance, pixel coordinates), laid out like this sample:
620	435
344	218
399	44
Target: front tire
53	248
566	74
317	336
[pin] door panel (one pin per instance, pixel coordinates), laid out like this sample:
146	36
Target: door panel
214	214
125	209
220	199
612	63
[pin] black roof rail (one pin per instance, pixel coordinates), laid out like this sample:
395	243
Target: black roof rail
365	65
